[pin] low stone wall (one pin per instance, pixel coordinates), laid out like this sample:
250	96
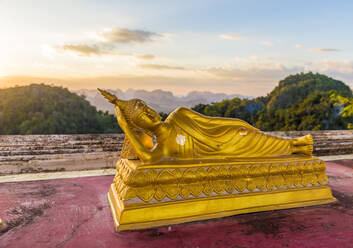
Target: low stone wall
44	153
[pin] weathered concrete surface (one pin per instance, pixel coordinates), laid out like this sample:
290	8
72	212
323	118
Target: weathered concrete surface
47	153
75	213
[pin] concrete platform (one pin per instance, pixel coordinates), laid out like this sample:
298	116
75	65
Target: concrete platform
74	212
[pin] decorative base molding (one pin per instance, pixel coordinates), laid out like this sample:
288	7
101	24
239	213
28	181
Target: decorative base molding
144	196
162	214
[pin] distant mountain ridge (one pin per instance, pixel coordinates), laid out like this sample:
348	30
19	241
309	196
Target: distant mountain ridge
160	100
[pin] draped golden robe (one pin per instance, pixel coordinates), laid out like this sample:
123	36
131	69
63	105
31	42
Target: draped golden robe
198	136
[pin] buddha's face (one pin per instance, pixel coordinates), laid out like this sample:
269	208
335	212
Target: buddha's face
144	116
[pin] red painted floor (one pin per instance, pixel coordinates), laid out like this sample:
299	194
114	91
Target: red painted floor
75	213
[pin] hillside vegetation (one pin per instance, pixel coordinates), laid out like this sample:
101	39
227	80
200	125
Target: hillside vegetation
299	102
44	109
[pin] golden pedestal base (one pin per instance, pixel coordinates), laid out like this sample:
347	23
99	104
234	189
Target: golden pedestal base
166	194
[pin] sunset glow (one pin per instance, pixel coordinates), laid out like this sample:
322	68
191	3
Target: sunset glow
220	46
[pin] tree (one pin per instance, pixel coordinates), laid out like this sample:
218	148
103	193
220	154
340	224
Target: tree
346	108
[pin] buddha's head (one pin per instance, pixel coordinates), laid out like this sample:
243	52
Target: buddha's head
135	111
143	116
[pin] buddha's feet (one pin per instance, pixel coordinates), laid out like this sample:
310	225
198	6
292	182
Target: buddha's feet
304	140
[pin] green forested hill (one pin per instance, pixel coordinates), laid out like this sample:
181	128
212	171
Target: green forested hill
299	102
44	109
296	88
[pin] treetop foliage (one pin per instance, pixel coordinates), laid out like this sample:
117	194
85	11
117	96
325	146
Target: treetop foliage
346	106
44	109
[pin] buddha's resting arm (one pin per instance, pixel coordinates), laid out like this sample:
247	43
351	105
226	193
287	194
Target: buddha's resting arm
233	137
215	120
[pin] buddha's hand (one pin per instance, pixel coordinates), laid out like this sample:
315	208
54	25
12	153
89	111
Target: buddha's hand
121	118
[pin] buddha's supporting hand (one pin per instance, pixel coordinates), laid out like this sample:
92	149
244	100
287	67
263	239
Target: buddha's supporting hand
121	118
134	137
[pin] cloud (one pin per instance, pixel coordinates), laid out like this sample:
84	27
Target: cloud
86	49
107	45
145	56
341	70
253	69
266	43
123	35
298	46
253	76
324	50
231	36
331	66
162	67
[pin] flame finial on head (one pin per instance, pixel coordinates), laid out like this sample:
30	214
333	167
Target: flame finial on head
114	100
110	97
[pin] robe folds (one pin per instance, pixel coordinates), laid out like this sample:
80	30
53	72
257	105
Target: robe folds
199	136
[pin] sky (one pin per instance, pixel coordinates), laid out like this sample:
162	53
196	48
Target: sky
241	47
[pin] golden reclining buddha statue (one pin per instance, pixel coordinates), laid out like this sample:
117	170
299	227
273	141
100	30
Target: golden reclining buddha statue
186	134
193	167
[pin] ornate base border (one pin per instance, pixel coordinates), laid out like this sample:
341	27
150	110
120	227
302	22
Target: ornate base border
141	216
